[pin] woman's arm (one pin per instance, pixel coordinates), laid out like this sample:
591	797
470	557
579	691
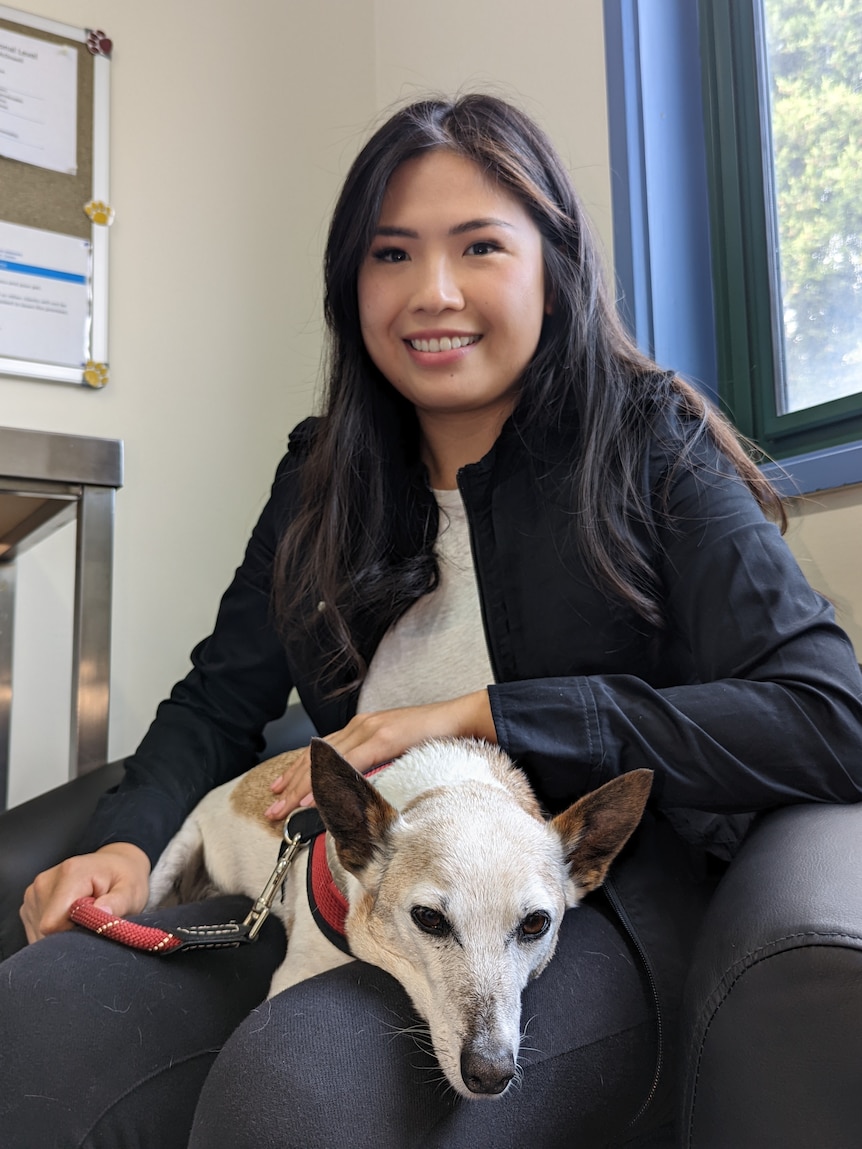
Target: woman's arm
772	710
209	729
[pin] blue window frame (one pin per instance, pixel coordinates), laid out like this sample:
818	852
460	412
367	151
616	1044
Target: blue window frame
694	226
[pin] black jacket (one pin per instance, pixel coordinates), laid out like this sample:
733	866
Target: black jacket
749	697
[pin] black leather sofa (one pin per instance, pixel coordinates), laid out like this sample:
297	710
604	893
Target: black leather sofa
773	1013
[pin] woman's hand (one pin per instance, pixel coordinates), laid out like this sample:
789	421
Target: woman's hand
117	876
369	739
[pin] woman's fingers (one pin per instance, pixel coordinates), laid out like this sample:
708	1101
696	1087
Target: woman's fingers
116	875
291	787
379	736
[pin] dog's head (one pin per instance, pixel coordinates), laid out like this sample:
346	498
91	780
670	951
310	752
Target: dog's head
460	895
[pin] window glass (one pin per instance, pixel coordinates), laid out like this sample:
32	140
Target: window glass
813	57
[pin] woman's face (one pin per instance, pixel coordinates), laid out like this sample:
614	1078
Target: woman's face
452	291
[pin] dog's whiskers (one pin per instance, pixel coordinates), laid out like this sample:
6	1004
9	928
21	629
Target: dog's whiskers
420	1033
429	1066
518	1080
441	1082
522	1048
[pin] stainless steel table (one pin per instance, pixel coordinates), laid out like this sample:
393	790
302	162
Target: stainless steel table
47	480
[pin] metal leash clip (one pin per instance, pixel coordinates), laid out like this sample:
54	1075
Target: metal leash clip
302	825
259	912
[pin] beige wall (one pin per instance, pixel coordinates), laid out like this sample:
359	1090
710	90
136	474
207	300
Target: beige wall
825	534
231	127
548	56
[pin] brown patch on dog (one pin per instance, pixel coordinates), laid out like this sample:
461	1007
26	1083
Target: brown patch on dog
597	826
252	794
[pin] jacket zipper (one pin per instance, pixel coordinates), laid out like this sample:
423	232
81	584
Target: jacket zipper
626	922
480	581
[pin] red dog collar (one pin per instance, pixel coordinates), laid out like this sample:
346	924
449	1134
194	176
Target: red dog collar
328	905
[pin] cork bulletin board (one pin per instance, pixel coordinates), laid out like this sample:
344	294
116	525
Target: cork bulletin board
55	208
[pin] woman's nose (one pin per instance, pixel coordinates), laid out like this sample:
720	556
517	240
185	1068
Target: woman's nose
436	287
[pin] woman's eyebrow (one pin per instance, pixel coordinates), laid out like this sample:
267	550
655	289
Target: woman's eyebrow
404	232
458	229
478	224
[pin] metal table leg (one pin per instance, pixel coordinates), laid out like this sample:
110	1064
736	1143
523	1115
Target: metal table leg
7	637
91	642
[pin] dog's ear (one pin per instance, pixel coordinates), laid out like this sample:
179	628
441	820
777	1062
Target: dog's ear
597	826
352	810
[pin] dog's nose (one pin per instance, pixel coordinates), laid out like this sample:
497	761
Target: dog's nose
489	1075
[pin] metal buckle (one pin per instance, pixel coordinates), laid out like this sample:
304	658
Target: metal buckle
259	912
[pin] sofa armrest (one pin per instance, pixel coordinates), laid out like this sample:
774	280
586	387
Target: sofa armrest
773	1008
39	834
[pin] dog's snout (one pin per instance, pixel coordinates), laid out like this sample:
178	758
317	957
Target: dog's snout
488	1075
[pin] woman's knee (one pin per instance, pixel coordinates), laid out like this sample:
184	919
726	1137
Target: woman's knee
331	1061
95	1034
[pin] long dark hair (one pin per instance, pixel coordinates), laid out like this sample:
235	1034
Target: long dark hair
362	543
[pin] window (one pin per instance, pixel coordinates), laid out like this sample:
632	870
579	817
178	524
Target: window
811	56
783	93
749	112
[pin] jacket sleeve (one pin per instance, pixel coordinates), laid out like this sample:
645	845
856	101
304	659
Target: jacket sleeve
209	729
772	713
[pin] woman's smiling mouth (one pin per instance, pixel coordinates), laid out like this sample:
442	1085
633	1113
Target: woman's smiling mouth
444	344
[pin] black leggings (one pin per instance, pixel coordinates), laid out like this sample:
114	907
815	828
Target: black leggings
105	1048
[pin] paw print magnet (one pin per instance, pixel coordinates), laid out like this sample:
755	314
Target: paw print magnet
98	44
95	374
99	212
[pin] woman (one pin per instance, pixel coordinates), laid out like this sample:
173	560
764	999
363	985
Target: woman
501	489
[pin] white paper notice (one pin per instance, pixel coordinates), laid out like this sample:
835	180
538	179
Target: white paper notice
44	296
38	102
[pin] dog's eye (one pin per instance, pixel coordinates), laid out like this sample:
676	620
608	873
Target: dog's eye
430	921
534	926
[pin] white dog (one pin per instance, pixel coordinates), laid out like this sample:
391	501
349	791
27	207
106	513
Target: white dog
455	883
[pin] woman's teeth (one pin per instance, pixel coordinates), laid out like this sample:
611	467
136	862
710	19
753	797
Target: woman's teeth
444	344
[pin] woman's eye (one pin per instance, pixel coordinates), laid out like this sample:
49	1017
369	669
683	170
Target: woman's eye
534	926
482	247
430	921
390	255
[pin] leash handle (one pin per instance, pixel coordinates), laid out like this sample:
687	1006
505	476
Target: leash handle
153	940
149	938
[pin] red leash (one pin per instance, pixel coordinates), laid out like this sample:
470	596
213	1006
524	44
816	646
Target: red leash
149	938
299	829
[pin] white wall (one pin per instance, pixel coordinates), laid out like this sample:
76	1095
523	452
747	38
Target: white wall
231	127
